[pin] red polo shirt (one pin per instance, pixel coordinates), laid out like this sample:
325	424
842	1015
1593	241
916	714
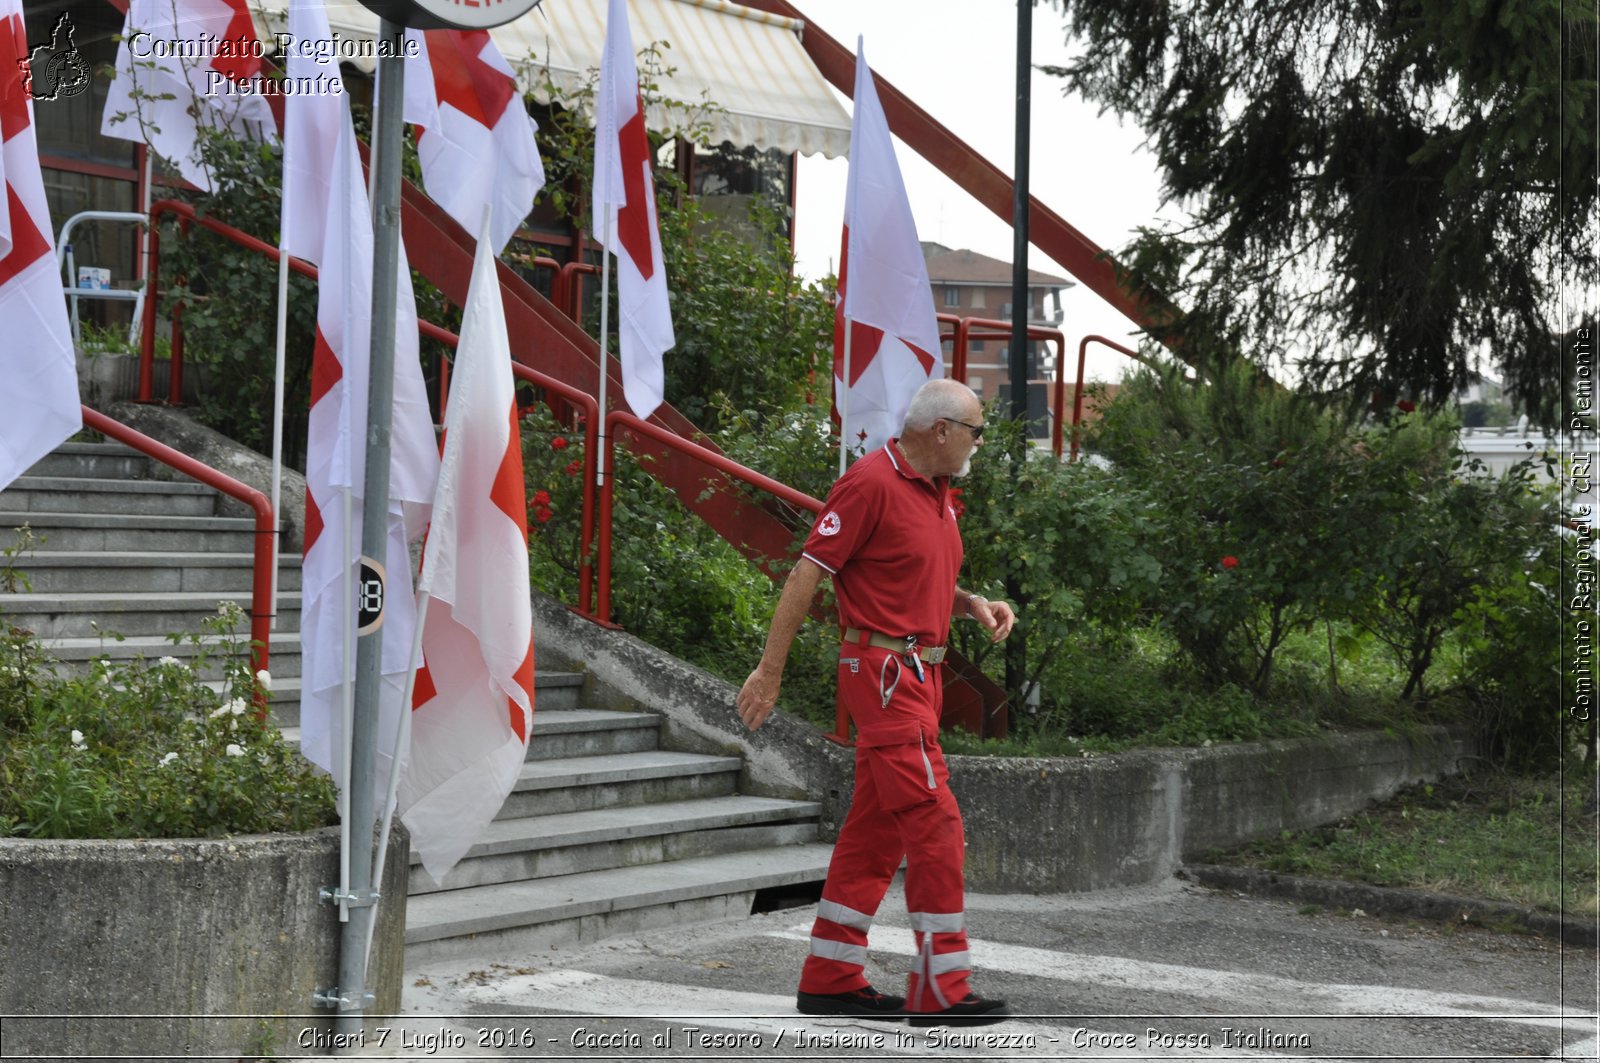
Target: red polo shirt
889	537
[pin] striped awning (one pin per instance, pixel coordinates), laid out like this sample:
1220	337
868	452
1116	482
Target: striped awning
749	65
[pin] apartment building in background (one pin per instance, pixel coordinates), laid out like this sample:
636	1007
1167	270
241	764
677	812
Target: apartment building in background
967	284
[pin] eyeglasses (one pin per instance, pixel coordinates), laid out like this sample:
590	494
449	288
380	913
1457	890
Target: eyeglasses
975	429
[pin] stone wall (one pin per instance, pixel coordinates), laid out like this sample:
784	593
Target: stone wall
208	946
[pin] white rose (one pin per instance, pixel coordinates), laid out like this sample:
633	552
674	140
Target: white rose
168	759
264	679
234	750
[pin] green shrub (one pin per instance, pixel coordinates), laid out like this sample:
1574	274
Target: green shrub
145	749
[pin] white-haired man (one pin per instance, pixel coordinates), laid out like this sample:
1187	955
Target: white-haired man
888	538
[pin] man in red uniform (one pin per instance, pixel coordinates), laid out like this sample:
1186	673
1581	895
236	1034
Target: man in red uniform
888	537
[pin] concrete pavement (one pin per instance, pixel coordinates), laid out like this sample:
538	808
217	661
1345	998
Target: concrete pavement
1171	971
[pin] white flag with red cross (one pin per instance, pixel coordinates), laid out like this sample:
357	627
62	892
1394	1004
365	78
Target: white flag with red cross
883	286
161	97
625	217
36	357
473	702
474	136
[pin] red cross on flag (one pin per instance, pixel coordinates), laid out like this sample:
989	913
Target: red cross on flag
625	217
474	136
337	430
162	98
883	286
36	359
473	701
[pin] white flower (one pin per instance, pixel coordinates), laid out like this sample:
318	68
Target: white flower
236	707
264	679
168	759
169	662
234	750
77	740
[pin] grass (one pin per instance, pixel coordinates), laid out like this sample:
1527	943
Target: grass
1490	836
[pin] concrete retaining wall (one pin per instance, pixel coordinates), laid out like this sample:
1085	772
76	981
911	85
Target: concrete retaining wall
1042	825
188	934
1048	825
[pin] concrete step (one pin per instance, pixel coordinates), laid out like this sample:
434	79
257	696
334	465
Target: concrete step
516	918
53	616
581	784
56	494
72	572
554	691
576	842
97	460
562	733
97	531
76	653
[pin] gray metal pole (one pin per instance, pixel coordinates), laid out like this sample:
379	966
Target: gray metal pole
386	148
1019	216
1017	647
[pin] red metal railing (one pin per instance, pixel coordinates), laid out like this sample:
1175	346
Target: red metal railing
720	462
968	329
1077	398
575	396
266	526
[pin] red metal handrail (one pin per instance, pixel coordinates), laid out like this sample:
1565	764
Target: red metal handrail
1077	398
266	526
427	328
720	462
571	290
982	328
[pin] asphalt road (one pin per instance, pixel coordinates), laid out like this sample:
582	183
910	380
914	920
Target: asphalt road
1167	972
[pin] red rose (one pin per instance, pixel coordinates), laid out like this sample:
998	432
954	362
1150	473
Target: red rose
541	498
1406	406
1230	562
575	467
558	443
543	514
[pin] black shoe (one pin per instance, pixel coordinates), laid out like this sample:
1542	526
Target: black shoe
865	1003
973	1011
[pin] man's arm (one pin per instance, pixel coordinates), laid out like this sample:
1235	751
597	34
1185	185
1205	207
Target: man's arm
760	691
998	617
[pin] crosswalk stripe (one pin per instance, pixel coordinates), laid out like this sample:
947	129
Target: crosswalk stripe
771	1017
1306	998
580	993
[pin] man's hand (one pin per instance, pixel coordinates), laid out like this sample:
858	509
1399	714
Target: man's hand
757	697
998	617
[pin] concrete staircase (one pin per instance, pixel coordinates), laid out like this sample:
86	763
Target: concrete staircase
605	833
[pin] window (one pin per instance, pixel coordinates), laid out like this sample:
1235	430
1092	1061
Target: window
976	347
1005	311
952	297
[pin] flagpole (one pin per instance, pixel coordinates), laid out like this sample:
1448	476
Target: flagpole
844	400
277	405
347	656
402	741
605	326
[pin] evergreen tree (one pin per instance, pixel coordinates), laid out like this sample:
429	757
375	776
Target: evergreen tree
1393	188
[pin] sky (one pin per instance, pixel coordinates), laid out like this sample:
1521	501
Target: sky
957	60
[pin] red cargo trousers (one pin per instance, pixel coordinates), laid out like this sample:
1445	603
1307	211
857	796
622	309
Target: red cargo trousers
902	808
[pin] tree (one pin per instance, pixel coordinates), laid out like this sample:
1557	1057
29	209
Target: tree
1394	186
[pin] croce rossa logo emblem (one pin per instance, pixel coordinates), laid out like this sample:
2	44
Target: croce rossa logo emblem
55	71
830	524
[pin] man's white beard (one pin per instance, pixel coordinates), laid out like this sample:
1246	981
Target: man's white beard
966	467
